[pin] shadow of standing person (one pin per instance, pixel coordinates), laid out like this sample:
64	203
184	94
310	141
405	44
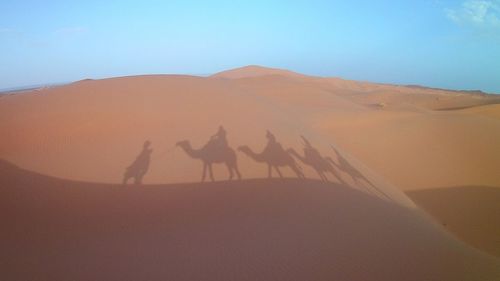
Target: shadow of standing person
140	166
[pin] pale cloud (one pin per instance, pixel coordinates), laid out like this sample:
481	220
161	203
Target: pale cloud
480	13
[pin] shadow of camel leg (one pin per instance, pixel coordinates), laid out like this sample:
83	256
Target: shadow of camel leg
230	170
372	188
298	172
367	181
336	176
361	182
321	176
210	172
278	170
237	172
334	172
139	179
269	171
326	177
204	172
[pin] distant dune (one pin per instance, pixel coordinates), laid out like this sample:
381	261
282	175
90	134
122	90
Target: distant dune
375	143
255	71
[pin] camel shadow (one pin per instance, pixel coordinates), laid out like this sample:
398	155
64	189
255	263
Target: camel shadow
356	176
274	156
138	169
216	150
312	157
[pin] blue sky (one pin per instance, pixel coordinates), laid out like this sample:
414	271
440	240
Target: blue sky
448	44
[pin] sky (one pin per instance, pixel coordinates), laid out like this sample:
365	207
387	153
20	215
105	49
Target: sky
452	44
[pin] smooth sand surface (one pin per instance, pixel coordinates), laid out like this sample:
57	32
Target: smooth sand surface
380	141
469	211
256	229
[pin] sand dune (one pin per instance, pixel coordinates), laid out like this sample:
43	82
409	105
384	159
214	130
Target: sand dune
256	71
98	126
259	229
373	142
471	212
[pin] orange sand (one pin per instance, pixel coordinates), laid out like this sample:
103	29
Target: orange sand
400	139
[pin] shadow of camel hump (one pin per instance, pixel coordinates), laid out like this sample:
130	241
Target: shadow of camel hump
313	158
216	150
138	169
274	155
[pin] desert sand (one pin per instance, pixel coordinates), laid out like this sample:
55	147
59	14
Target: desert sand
400	162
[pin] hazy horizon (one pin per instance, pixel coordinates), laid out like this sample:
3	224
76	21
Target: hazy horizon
442	44
55	84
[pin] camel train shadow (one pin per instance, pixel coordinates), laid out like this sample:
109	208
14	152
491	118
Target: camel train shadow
217	151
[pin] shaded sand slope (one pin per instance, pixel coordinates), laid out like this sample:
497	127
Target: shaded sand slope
256	229
469	211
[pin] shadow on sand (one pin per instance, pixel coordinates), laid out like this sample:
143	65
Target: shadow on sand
138	169
357	177
274	156
312	157
216	150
